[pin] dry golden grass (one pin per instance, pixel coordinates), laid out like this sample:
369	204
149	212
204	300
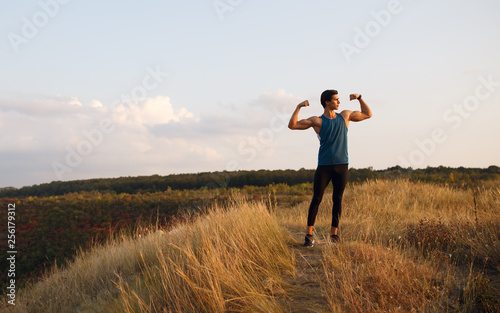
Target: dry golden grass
408	246
231	259
368	278
405	247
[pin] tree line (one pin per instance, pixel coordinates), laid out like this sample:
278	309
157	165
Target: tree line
238	179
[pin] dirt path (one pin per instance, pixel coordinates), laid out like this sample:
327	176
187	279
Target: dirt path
305	292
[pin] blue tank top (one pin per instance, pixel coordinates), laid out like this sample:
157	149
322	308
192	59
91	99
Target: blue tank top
333	141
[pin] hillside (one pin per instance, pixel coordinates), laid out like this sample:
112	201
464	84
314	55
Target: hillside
51	230
405	246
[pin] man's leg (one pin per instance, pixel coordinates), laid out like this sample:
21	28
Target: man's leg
322	177
339	180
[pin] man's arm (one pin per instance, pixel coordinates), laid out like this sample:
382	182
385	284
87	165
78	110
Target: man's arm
365	113
302	124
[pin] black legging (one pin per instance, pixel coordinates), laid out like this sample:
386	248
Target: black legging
324	173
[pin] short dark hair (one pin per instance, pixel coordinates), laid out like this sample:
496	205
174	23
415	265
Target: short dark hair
327	96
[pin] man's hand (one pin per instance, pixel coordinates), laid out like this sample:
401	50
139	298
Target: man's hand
303	104
353	96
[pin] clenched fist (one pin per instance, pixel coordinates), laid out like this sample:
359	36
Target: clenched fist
304	104
353	96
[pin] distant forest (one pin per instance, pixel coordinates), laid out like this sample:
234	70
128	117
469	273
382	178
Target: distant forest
459	177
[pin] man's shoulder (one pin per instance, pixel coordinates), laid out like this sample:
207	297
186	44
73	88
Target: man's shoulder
316	122
346	113
315	118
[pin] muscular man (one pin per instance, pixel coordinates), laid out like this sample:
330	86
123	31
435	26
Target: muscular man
333	159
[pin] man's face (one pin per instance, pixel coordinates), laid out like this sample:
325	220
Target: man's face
334	103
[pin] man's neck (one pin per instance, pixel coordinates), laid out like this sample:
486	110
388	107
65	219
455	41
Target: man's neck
329	113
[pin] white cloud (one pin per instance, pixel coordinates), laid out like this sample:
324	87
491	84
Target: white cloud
157	110
150	136
268	110
276	101
42	130
95	104
42	105
149	112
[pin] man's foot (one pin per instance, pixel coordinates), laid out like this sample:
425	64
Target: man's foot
334	239
309	242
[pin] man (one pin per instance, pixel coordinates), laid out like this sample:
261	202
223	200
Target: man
333	159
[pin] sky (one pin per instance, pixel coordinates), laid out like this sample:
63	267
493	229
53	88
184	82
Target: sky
92	89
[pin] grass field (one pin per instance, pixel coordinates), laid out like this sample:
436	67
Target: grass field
406	247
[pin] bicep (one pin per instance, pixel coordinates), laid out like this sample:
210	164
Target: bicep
357	116
303	124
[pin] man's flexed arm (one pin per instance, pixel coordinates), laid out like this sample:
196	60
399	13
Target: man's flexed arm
365	113
302	124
